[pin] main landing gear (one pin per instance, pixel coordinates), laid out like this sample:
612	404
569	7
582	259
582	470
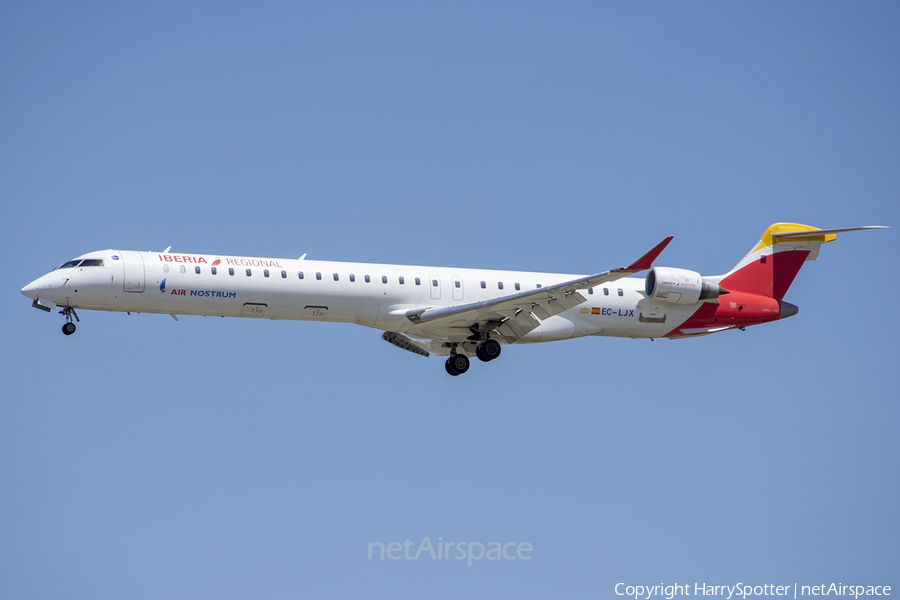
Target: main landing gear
69	312
457	364
486	351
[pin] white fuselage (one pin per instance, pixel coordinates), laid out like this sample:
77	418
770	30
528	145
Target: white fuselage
373	295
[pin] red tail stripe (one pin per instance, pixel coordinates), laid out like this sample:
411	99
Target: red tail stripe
769	275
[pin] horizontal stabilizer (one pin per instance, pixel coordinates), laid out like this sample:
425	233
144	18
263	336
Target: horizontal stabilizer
818	232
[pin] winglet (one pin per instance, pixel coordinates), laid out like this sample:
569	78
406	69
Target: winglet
646	261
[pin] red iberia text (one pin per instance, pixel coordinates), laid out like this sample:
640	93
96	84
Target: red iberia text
182	258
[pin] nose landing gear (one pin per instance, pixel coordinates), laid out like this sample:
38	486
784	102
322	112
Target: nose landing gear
69	312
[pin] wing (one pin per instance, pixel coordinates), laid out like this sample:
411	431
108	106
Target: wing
514	316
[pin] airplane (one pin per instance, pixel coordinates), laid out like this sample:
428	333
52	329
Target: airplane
453	312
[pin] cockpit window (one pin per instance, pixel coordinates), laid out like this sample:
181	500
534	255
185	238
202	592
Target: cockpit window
87	262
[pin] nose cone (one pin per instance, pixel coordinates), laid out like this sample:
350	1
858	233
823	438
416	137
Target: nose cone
786	309
31	290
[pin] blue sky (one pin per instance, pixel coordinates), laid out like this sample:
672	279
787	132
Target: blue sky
214	458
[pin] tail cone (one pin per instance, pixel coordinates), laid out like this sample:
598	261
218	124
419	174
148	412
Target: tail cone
786	309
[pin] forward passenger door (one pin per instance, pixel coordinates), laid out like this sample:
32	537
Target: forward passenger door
133	263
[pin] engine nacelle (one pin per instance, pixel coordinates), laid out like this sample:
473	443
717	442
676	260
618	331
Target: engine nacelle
679	286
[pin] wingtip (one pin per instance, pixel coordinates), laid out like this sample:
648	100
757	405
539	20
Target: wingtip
646	261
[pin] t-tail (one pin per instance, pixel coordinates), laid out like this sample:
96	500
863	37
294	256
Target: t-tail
753	291
770	267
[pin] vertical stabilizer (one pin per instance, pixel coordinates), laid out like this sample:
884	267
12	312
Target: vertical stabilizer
773	263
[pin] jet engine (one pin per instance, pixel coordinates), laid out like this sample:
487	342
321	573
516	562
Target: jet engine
680	286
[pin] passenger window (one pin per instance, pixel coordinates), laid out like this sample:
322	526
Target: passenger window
319	276
248	273
591	291
483	285
402	281
284	274
335	276
434	283
265	272
418	281
499	285
457	283
165	268
518	287
352	277
299	274
383	279
620	292
197	270
539	286
606	291
214	271
181	268
368	279
231	270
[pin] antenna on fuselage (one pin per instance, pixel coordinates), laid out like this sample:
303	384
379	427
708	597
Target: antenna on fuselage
166	251
303	256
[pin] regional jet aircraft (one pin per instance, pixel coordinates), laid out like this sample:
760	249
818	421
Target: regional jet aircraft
458	313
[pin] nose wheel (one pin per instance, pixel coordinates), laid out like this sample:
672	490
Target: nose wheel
69	312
